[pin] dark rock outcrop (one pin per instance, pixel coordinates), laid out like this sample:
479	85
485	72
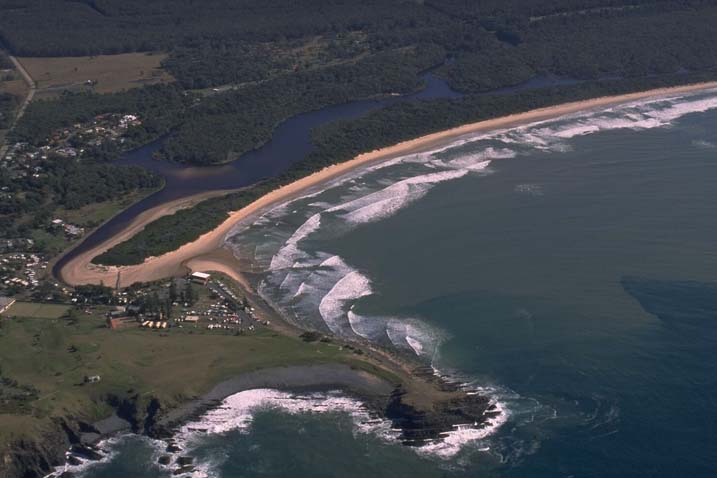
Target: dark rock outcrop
419	426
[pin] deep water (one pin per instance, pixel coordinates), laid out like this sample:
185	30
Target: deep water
569	269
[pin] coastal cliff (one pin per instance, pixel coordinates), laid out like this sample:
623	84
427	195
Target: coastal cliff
419	420
36	457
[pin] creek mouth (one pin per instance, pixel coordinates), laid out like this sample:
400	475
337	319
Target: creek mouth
290	143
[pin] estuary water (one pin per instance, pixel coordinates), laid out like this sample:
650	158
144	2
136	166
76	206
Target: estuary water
567	268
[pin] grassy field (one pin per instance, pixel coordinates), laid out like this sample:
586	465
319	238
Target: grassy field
92	215
15	87
111	72
36	310
52	357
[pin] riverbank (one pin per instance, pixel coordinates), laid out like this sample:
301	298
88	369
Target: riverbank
80	270
129	276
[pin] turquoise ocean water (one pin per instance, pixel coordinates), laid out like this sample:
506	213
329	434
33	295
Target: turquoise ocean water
567	268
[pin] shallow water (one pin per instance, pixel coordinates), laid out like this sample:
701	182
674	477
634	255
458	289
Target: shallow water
567	268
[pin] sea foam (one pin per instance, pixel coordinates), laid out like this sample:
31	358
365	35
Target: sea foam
350	287
387	201
331	288
237	412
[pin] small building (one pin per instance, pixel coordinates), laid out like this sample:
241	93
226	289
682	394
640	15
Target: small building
200	278
75	231
116	323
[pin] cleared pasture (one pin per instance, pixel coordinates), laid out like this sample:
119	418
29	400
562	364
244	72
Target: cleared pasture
102	73
36	310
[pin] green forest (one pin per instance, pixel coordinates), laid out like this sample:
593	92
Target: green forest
5	63
29	202
8	103
276	58
160	107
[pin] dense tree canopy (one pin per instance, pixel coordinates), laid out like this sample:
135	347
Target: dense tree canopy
64	183
276	58
8	103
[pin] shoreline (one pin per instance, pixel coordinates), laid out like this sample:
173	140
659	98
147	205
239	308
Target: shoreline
324	377
146	217
80	269
377	397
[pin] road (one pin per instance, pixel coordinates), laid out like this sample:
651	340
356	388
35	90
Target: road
30	94
30	83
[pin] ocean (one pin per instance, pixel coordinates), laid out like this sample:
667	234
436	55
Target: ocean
567	268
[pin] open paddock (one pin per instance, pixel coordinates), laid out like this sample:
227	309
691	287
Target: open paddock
36	310
108	73
16	86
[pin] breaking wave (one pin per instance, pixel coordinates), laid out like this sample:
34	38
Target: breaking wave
237	412
350	287
318	284
108	450
318	289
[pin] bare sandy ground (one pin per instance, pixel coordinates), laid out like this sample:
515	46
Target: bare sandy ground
198	256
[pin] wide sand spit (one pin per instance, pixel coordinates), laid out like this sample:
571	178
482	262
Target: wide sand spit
206	254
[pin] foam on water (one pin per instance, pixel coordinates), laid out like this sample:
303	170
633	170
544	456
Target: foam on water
289	254
387	201
704	144
529	189
350	287
454	441
332	289
237	412
414	335
108	450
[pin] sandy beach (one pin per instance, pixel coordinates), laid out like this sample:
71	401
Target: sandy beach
202	255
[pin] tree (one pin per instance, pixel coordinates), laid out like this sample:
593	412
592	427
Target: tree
172	291
190	295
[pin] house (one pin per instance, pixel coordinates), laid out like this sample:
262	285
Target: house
72	230
200	278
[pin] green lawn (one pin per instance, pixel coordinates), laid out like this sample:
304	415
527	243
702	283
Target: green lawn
53	356
36	310
95	214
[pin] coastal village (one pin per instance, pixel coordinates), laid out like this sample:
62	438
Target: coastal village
24	260
21	159
27	287
196	301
